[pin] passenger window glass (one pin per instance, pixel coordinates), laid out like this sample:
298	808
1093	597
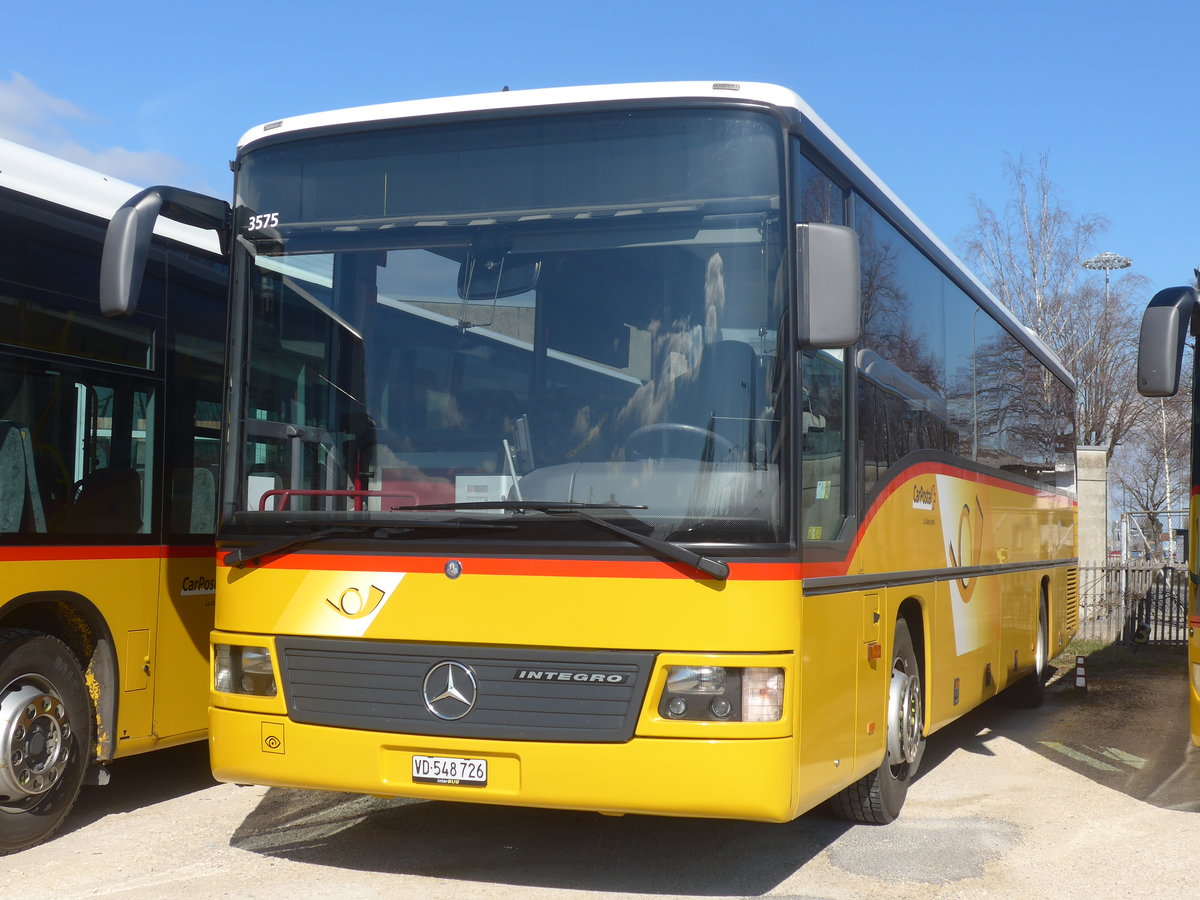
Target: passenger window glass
902	389
818	198
81	456
196	363
822	399
823	452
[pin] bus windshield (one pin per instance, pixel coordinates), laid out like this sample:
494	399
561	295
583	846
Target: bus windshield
575	309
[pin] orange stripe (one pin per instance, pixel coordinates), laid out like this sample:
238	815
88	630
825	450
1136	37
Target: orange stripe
787	570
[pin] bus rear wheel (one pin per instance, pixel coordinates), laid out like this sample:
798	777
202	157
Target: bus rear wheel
1030	691
877	798
45	725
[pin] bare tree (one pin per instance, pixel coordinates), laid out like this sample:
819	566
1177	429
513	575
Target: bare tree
1151	473
1030	255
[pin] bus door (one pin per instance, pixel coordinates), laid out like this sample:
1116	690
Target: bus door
188	587
90	501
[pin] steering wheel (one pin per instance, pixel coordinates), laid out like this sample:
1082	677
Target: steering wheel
675	440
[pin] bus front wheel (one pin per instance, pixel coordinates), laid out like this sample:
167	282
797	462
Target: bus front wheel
45	724
876	799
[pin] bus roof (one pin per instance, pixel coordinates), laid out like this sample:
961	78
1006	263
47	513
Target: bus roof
36	174
770	94
806	122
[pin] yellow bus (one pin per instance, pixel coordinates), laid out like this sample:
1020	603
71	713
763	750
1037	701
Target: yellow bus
629	449
1171	315
109	442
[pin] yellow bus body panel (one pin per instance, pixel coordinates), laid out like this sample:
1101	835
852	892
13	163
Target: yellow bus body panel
725	779
158	607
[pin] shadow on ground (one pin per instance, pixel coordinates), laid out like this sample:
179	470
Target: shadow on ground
634	854
534	848
1128	730
143	780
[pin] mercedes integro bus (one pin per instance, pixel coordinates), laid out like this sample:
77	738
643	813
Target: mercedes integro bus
627	448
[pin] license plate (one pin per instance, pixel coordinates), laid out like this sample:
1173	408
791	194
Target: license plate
450	770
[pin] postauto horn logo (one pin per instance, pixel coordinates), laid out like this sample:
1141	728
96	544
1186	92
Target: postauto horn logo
353	605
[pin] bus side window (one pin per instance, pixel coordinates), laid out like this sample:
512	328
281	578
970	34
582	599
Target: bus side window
108	501
823	454
20	498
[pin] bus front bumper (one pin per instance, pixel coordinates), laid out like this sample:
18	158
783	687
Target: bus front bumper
737	779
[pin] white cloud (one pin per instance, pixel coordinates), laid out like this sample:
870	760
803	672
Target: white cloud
30	116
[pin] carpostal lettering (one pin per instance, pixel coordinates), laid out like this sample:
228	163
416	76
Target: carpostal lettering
556	675
199	585
924	497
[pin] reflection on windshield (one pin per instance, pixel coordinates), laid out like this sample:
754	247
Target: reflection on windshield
565	358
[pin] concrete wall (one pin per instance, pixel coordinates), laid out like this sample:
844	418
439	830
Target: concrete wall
1092	492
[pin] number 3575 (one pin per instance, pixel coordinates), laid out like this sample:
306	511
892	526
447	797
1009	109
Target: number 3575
266	220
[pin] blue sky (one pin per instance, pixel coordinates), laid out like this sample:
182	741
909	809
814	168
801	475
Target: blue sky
933	95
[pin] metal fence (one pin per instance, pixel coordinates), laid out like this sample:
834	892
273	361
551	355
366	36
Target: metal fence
1133	603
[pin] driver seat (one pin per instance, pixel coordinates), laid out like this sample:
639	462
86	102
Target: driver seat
719	395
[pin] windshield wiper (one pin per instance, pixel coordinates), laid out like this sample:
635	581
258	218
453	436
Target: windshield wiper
712	567
516	505
243	555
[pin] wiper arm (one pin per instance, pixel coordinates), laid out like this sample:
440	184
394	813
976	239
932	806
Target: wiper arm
713	567
243	555
517	505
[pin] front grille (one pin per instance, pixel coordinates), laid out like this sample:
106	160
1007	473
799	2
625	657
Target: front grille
377	686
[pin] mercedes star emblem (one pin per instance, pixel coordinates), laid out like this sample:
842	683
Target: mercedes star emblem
449	690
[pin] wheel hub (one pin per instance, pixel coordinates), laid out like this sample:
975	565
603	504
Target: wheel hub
34	739
905	717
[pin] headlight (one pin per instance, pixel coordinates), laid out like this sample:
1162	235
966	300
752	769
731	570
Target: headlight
696	680
722	694
243	670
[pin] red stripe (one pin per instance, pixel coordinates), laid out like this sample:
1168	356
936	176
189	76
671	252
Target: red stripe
787	570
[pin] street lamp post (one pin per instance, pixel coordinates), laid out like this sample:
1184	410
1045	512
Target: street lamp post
1107	261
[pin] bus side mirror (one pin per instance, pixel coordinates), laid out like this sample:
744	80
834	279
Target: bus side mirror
828	284
1160	344
127	240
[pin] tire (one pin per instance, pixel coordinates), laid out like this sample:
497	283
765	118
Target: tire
1030	691
45	733
876	799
